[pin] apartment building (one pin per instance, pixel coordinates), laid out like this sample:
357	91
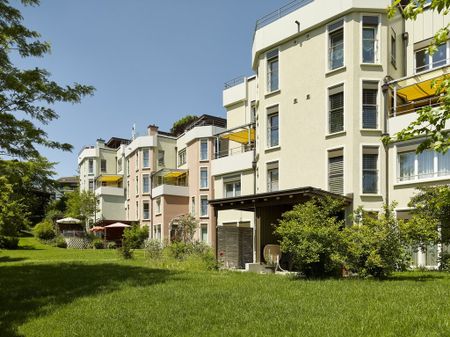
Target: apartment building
332	78
186	186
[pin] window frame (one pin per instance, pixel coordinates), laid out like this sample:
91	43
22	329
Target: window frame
328	108
272	166
145	203
200	170
144	176
182	155
233	181
203	215
340	25
430	64
146	152
161	160
270	59
338	152
366	82
158	208
393	46
91	166
377	39
201	142
369	148
103	165
202	226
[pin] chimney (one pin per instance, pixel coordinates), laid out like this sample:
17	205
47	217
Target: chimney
152	130
100	142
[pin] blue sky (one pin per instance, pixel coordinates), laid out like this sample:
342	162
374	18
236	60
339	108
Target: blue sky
151	62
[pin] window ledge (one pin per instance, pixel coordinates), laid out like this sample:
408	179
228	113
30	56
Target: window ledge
336	134
204	217
336	70
204	160
420	181
273	148
272	93
146	168
158	214
370	195
376	65
376	131
204	188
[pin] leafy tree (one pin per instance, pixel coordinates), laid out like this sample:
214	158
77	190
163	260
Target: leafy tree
26	96
13	213
135	236
185	227
310	234
81	205
180	125
431	121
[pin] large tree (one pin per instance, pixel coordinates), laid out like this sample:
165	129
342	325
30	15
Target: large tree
27	95
431	121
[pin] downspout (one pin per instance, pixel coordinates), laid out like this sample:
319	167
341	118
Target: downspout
405	38
385	89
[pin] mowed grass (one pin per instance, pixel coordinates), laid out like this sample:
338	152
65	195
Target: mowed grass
46	291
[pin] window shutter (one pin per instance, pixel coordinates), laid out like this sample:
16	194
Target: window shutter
336	174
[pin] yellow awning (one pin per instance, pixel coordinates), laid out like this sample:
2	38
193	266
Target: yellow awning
419	90
110	178
174	174
241	136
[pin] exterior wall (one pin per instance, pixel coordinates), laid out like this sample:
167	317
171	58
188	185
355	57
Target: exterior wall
171	207
111	207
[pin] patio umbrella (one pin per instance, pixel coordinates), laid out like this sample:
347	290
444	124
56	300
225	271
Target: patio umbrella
68	221
97	229
117	225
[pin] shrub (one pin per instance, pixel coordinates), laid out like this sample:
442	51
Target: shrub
98	243
444	261
60	242
9	242
135	236
194	256
310	235
44	230
125	252
153	249
111	245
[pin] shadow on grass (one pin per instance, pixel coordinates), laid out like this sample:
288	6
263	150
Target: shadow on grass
27	289
418	276
11	259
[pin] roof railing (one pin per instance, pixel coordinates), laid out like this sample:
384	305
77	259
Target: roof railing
234	82
279	13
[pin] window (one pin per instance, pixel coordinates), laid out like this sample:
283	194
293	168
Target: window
145	210
272	127
127	192
369	105
137	209
146	158
428	164
272	70
157	232
336	171
145	183
394	49
137	185
119	164
203	206
425	61
204	233
232	187
161	158
336	45
336	109
253	112
91	185
128	166
181	157
272	177
91	166
193	206
370	170
136	157
204	149
203	177
103	165
369	39
158	205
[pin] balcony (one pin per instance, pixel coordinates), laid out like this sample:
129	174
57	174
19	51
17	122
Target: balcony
108	190
170	182
235	91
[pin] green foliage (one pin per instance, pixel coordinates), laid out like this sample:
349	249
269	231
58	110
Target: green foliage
135	236
375	246
98	243
153	249
179	126
310	234
9	242
111	245
185	227
125	251
431	121
81	205
444	261
13	213
193	255
44	230
27	95
59	242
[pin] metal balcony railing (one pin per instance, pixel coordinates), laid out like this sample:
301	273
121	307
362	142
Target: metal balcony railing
234	151
281	12
234	82
410	107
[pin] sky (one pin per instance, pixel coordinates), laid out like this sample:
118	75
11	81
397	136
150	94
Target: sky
151	62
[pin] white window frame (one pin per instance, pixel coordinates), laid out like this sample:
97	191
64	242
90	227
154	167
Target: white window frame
203	141
146	151
136	182
378	103
328	151
163	162
393	49
269	127
202	215
91	169
143	180
158	208
145	202
328	45
327	109
362	152
182	154
232	180
204	225
192	200
430	59
269	184
270	60
377	40
203	168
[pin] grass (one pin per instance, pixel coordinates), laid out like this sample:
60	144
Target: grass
48	291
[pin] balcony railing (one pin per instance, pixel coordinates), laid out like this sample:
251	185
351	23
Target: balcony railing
170	177
281	12
234	151
234	82
414	106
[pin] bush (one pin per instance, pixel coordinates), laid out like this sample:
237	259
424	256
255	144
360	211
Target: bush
310	234
153	249
60	242
98	244
9	242
111	245
44	230
444	261
194	256
135	236
125	252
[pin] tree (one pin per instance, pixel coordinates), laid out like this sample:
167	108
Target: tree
185	227
81	205
26	96
431	121
310	234
180	125
13	213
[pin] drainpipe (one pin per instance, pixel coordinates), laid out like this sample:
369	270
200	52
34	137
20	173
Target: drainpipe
254	206
405	38
385	89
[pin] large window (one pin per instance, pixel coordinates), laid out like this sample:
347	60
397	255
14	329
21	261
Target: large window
136	183
204	233
103	165
193	206
273	135
203	206
203	177
272	70
336	109
146	158
181	157
91	185
428	164
369	105
336	45
161	158
232	187
370	170
272	177
145	183
91	166
157	232
425	61
336	171
369	39
146	210
158	205
204	149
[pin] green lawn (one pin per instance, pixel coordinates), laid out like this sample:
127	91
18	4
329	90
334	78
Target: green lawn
48	292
